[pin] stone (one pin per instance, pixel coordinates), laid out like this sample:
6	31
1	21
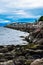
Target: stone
37	62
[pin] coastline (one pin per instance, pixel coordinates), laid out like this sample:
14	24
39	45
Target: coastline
24	54
27	27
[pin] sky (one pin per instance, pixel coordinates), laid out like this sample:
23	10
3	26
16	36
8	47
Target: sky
11	10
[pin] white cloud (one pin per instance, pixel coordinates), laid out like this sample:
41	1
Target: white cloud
12	6
22	3
1	10
5	4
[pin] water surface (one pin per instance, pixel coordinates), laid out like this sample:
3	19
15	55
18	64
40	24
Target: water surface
10	37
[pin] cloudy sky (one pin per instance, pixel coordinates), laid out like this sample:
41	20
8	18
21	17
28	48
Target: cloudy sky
14	9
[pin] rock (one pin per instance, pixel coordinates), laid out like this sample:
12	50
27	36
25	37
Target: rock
10	47
17	62
36	36
28	62
1	47
8	56
40	47
37	62
10	62
40	41
4	50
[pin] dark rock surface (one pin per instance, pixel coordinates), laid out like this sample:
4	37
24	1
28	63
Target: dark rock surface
17	55
20	55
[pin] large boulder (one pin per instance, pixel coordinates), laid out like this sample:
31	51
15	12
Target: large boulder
37	62
36	36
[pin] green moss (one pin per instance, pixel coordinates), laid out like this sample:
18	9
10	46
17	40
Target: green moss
31	45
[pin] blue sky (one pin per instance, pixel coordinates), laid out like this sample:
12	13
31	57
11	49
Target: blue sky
11	10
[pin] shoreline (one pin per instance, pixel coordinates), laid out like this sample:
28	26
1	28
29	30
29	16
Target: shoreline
26	27
25	54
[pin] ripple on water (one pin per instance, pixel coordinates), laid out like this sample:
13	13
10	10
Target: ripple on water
10	36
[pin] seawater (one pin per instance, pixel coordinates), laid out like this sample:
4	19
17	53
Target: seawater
11	37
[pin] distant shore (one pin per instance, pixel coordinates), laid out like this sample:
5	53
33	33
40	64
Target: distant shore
27	27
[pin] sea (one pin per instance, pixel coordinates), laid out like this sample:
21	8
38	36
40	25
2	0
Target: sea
12	37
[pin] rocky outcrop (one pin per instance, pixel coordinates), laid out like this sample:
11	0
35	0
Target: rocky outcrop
37	62
35	39
36	36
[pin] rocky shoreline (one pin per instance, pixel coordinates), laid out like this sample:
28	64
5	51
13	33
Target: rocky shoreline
15	55
20	55
31	54
27	27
